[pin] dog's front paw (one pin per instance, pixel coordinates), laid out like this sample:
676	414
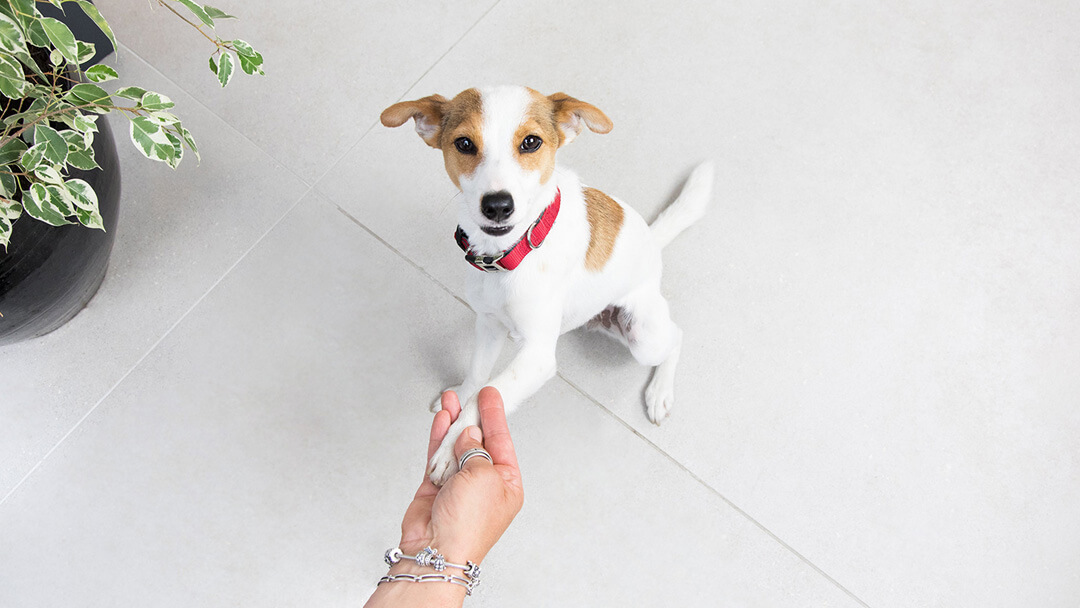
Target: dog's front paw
463	393
443	464
659	398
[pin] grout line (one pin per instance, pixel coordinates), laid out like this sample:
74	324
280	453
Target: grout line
713	490
153	347
401	255
334	164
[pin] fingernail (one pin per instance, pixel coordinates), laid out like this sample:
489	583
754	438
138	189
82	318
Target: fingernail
473	432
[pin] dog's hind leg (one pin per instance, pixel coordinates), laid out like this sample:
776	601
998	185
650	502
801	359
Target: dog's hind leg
646	326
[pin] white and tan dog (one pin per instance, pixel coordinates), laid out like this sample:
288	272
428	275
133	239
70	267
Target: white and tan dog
550	254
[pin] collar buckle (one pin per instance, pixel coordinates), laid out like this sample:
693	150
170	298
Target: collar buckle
487	263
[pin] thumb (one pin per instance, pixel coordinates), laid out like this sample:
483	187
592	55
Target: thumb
469	439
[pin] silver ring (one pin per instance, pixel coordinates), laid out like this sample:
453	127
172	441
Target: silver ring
473	453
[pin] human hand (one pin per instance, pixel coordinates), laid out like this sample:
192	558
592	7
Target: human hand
465	518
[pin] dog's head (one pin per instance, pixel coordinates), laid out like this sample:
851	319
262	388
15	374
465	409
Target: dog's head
499	147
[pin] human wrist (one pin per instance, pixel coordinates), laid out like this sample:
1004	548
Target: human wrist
455	550
436	594
441	582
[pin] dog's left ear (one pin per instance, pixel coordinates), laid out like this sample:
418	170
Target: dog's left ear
427	112
573	115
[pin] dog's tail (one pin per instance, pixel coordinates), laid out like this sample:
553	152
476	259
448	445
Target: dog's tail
691	205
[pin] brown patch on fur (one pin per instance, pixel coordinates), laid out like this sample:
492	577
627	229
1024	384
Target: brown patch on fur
462	118
539	120
570	113
427	112
605	220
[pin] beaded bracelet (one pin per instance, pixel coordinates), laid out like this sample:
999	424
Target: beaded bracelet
432	558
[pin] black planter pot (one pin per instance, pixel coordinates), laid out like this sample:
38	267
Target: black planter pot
49	273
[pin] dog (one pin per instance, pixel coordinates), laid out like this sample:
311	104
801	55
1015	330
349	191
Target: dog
549	254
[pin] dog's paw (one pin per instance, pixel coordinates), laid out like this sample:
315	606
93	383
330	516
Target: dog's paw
442	464
659	398
437	404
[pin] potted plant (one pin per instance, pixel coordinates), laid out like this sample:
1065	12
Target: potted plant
59	180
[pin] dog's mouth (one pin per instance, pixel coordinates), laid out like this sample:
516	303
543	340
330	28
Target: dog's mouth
496	230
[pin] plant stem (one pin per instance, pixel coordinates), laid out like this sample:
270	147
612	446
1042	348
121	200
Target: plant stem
185	20
6	138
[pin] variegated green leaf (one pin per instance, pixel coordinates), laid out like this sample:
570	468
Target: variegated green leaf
163	119
155	101
91	218
92	12
216	13
8	184
225	70
62	38
49	175
189	140
12	151
87	50
178	150
136	93
83	123
39	202
32	158
85	201
11	37
10	209
29	17
250	60
82	194
55	146
80	153
57	196
101	73
12	82
83	159
198	11
151	140
88	94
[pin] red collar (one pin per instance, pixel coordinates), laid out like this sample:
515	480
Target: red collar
510	258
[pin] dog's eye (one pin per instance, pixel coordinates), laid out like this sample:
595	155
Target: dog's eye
531	143
465	145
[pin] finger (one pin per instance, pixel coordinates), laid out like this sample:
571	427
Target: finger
471	438
496	432
451	403
439	427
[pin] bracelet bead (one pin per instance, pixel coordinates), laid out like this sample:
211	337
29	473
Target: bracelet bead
431	558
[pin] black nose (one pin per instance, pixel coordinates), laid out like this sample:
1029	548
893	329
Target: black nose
497	206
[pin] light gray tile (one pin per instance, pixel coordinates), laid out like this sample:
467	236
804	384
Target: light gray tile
330	66
179	233
880	308
264	453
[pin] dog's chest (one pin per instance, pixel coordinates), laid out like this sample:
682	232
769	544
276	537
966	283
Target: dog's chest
518	300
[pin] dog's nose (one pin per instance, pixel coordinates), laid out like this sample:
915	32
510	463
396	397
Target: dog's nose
497	206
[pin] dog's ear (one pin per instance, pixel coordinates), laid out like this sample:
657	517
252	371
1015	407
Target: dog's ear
573	115
427	112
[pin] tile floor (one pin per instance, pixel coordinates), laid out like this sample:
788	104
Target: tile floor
879	402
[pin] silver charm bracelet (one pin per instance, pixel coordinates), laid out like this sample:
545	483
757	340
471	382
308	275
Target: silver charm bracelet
432	558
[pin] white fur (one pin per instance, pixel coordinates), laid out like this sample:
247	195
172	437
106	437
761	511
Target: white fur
552	292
